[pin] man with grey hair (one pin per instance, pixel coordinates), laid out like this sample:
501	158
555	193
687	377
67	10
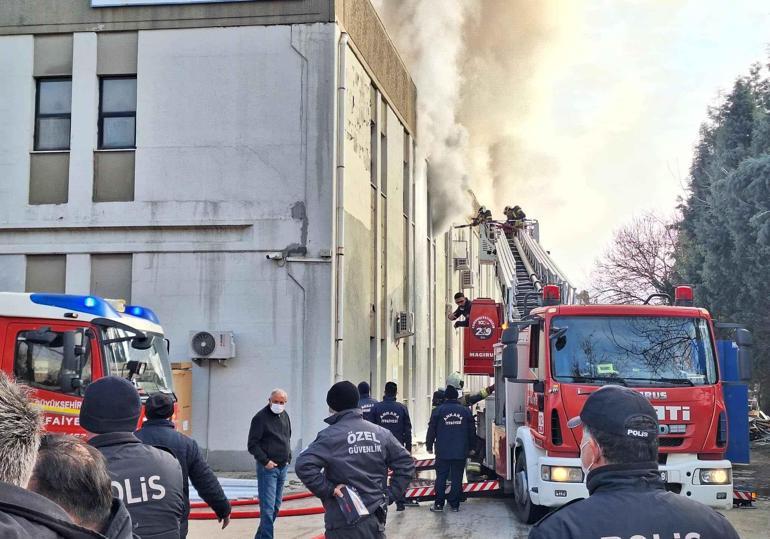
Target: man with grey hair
24	513
270	443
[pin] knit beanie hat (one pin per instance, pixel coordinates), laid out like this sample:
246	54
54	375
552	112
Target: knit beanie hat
110	404
342	396
363	388
451	393
159	406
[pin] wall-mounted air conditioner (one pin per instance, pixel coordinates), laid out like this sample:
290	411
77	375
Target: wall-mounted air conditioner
467	279
212	345
404	324
460	255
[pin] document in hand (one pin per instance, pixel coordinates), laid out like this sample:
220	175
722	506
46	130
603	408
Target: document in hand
351	505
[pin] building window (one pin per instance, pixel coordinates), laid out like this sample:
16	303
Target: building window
46	273
117	112
53	108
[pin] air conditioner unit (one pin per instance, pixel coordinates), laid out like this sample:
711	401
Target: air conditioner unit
467	279
212	345
404	324
460	255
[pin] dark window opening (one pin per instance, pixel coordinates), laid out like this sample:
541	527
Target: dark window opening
41	365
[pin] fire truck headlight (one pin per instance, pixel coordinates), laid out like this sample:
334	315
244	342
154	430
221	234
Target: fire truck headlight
716	476
561	474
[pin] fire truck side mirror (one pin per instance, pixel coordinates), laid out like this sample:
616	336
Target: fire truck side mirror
744	341
510	361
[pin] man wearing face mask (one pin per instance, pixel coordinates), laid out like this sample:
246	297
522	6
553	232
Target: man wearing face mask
627	498
270	443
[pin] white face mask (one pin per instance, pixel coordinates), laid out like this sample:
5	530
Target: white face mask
277	408
585	470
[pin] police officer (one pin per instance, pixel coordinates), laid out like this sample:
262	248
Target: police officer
456	380
619	452
452	430
394	416
148	480
365	401
352	452
160	431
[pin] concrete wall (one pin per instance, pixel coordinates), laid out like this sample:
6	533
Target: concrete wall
234	159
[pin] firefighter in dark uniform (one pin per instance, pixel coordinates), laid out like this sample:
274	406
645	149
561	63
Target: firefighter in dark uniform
355	453
452	431
147	479
394	416
365	401
463	311
619	452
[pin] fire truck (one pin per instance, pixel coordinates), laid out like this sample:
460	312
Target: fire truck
57	344
548	355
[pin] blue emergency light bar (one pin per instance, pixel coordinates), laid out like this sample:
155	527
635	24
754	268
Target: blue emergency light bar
143	312
83	304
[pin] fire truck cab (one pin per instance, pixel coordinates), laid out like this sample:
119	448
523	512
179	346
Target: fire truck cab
57	344
551	360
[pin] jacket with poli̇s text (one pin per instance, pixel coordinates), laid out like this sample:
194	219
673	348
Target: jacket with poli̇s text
451	430
352	451
366	404
161	433
394	416
149	482
26	514
630	500
270	437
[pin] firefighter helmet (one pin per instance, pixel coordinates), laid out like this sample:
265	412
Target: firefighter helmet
455	380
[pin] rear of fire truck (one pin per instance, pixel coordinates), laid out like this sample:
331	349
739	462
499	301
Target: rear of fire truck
57	344
551	360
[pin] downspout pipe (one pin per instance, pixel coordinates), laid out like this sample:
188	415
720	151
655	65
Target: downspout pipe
339	250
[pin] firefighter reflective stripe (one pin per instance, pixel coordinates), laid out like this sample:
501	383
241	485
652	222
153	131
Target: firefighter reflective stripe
481	486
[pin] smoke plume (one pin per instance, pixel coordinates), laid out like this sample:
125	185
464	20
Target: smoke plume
478	66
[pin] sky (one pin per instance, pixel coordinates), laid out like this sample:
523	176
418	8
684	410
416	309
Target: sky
584	112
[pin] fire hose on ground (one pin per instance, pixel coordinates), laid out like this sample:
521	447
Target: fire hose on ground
302	511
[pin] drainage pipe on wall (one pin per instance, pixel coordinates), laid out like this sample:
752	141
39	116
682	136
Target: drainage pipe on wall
339	250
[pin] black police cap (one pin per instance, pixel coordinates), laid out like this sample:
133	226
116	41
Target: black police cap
613	409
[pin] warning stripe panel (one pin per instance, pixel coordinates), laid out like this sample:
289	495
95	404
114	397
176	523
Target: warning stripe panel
481	486
742	495
425	463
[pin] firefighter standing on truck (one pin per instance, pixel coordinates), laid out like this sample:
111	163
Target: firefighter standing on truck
352	452
453	432
394	416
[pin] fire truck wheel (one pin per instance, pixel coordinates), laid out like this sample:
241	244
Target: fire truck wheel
525	510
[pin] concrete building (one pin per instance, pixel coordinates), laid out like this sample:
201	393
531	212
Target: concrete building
245	166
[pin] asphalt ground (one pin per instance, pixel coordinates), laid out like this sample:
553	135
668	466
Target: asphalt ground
484	518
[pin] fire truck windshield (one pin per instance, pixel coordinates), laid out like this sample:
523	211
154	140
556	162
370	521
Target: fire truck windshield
633	350
156	376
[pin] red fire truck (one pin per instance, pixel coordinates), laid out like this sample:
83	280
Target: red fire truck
58	343
550	358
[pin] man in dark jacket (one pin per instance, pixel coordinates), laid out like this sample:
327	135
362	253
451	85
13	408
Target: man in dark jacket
270	443
365	402
74	475
159	431
24	513
147	479
352	452
452	431
463	310
619	452
394	416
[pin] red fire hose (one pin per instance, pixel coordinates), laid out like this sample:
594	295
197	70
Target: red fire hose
211	515
255	501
